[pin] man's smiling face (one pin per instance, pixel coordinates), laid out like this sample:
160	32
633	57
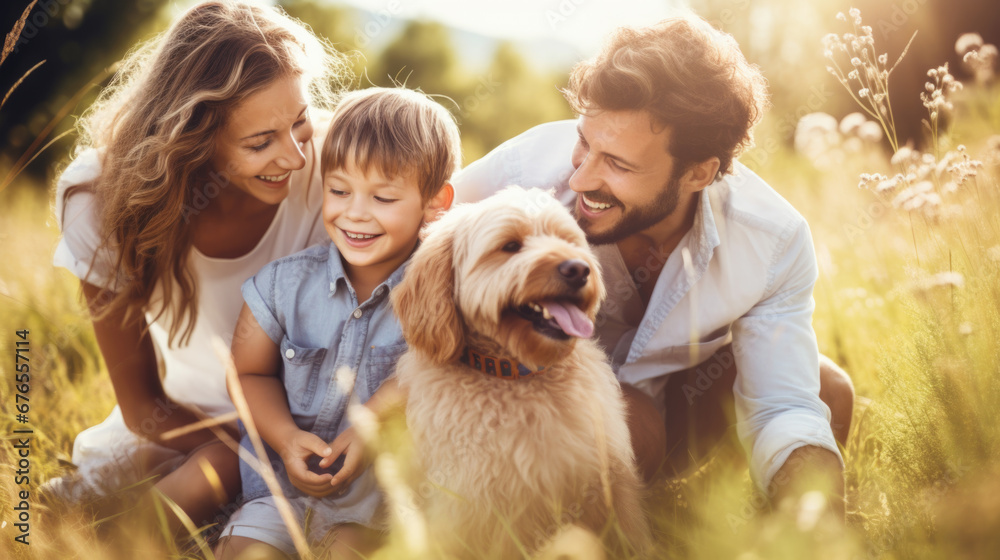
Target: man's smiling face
626	179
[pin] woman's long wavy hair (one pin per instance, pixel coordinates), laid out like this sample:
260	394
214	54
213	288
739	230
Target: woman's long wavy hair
155	127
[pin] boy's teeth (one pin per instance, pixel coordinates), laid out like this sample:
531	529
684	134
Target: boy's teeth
359	235
596	205
274	178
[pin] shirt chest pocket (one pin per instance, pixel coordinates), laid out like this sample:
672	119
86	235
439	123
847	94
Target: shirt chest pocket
301	372
382	364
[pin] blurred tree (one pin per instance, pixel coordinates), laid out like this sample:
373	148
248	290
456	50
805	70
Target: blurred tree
336	24
78	40
422	57
507	99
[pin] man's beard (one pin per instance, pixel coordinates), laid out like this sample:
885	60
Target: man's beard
633	220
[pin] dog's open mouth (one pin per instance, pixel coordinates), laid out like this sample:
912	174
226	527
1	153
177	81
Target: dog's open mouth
559	319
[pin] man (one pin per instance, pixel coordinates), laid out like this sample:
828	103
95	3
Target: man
709	271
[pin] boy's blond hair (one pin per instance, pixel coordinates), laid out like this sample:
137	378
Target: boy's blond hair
398	132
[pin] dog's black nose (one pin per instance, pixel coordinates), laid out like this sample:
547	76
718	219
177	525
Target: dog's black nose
574	272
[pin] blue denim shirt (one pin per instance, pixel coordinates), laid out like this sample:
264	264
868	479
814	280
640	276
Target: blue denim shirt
306	305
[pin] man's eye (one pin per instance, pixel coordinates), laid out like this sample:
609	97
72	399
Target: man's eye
615	164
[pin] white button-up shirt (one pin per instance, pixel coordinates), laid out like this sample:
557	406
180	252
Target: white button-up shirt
744	274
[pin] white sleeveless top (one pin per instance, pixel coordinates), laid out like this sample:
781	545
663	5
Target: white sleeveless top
193	375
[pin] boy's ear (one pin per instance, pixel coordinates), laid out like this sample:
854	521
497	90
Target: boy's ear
440	203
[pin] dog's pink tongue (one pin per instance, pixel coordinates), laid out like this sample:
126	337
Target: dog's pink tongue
571	319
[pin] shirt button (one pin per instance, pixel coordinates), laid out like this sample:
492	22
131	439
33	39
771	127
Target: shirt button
357	313
289	353
332	286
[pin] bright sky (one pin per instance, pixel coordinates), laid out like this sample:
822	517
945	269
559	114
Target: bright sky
582	23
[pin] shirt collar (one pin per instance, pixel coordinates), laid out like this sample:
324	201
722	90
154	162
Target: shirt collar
705	231
335	270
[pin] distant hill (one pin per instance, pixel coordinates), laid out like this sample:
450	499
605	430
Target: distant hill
475	50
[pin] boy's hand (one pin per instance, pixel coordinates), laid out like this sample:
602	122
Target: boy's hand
350	444
301	446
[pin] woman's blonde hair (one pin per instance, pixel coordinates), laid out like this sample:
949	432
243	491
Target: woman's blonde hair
155	125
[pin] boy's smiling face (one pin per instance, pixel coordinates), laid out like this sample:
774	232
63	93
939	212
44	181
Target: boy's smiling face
374	220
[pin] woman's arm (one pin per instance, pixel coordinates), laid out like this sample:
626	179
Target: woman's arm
131	361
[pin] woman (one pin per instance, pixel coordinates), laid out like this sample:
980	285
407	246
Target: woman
198	166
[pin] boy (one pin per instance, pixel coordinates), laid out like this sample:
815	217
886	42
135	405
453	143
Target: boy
386	165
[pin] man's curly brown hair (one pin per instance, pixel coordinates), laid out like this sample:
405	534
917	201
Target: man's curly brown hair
691	78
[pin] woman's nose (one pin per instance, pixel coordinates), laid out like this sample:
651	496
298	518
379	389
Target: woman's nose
292	156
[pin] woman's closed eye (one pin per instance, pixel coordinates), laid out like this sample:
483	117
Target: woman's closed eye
261	146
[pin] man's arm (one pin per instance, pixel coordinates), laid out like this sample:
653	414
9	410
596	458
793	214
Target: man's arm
539	158
781	420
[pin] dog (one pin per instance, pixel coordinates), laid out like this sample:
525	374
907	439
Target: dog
516	416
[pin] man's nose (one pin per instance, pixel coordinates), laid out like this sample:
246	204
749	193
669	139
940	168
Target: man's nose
584	179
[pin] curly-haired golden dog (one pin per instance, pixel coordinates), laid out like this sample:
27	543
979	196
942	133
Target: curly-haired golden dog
516	415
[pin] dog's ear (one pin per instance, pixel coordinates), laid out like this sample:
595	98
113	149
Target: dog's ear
425	299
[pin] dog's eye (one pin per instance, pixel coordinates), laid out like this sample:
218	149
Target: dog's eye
512	247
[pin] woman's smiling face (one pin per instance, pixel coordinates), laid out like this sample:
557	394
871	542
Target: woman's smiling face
263	139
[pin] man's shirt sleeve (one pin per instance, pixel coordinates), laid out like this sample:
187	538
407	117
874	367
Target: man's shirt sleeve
778	408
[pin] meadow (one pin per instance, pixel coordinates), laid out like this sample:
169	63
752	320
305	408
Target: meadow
908	302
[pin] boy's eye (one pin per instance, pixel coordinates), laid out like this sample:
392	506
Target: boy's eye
335	192
385	200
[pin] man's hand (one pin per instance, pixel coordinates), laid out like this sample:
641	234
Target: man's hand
811	468
296	453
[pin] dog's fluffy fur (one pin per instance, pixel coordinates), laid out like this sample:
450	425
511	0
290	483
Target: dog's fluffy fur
513	461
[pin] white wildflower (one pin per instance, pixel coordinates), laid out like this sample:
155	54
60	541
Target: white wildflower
968	42
851	123
870	131
902	155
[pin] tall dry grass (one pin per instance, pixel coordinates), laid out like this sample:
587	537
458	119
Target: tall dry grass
908	302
